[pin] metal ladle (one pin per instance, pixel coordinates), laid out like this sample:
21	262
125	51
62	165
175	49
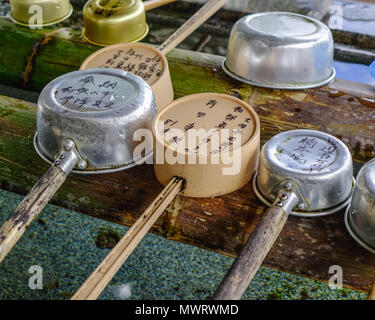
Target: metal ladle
304	173
280	50
51	12
86	121
360	215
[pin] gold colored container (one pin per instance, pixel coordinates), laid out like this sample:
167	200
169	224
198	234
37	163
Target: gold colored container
27	12
114	21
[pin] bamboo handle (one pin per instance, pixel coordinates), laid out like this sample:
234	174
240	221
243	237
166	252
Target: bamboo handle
252	255
152	4
192	24
371	295
103	274
12	230
320	9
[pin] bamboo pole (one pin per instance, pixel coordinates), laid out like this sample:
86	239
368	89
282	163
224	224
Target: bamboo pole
152	4
107	269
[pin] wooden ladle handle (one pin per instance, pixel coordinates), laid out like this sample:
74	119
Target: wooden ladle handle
102	275
151	4
204	13
252	255
12	230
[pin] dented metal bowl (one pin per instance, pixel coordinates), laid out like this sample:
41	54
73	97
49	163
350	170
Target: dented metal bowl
99	110
114	21
318	164
360	216
27	12
280	50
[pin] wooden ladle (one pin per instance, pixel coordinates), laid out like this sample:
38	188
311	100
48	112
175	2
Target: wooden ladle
173	130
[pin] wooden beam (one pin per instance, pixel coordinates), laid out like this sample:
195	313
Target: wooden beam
306	246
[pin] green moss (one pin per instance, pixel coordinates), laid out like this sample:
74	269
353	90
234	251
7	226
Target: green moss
6	112
107	238
194	79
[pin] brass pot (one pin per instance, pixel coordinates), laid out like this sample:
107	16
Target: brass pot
114	21
51	11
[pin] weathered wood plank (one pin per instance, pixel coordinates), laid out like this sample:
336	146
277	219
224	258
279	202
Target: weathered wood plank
306	246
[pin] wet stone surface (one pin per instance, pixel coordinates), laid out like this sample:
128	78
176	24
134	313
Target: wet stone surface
65	245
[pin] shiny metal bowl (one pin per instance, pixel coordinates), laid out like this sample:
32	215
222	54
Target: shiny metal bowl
25	12
114	21
99	110
360	216
280	50
318	164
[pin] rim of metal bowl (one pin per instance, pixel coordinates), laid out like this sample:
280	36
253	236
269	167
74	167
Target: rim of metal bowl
98	171
274	86
108	44
304	214
44	24
352	233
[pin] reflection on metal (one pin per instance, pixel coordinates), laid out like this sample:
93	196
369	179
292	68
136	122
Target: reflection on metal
360	218
280	50
99	110
316	162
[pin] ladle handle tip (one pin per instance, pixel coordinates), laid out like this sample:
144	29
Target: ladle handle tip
14	227
204	13
152	4
252	255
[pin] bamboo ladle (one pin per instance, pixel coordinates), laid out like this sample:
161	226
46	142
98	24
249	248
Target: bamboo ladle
149	62
196	179
152	4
